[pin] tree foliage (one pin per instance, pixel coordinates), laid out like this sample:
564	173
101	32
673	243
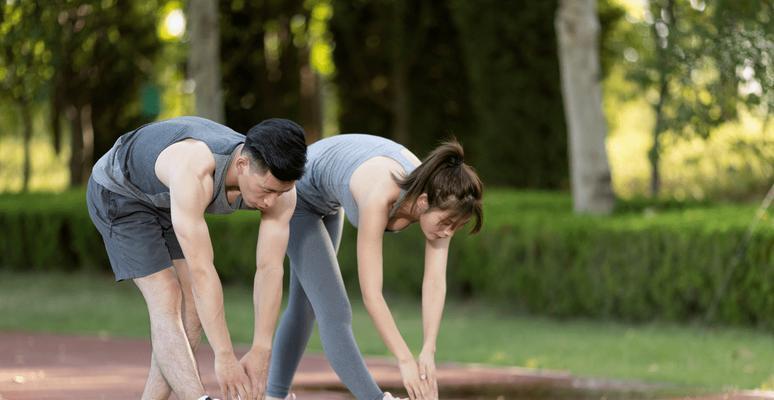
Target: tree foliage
89	58
418	72
512	63
697	62
103	53
24	67
260	61
25	58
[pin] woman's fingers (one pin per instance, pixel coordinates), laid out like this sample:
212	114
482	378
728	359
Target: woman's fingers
410	389
432	382
427	377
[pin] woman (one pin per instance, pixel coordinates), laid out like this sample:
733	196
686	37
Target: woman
382	187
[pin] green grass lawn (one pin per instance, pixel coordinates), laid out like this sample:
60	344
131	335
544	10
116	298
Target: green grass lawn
683	355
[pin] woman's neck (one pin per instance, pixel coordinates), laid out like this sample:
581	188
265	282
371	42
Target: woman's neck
406	212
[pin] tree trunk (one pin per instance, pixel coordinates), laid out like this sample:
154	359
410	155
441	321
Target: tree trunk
26	118
577	28
76	145
400	106
56	125
310	98
87	129
400	60
654	155
204	58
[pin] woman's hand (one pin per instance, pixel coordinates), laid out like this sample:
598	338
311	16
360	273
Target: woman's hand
427	374
409	371
233	381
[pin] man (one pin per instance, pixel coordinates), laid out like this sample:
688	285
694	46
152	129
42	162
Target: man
147	197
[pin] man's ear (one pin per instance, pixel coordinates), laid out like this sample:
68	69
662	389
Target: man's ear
242	164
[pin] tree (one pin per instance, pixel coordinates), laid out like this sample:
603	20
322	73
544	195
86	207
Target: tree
484	71
577	28
24	72
420	71
398	71
103	52
262	69
514	87
204	58
699	62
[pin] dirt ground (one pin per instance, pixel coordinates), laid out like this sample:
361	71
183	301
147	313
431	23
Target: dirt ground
45	366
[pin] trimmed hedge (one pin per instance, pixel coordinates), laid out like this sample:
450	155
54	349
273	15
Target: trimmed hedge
646	262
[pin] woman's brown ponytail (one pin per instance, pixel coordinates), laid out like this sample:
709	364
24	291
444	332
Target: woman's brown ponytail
450	184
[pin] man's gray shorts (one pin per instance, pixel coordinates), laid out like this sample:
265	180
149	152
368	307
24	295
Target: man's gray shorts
138	237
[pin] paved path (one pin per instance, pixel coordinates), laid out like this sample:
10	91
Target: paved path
44	366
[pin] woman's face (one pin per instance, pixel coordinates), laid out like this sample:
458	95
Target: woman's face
437	224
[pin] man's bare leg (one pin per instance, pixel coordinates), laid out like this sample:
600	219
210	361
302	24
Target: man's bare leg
173	358
156	387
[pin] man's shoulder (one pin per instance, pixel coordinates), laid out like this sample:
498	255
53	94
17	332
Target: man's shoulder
188	156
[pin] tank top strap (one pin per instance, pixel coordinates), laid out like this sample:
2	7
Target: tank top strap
219	203
404	162
408	167
397	205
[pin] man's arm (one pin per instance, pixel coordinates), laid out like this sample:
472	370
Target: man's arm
267	286
191	187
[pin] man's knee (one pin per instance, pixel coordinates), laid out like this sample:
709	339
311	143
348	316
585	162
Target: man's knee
162	293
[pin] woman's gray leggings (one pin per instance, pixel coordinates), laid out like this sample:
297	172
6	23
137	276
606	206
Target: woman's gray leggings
317	291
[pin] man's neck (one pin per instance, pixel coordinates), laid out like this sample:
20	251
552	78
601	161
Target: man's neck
231	181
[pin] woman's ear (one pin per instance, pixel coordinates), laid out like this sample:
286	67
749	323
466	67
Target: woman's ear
422	204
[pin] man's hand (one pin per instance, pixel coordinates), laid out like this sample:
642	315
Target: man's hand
234	384
256	364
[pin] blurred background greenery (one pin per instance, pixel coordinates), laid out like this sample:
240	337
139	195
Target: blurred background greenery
83	72
686	95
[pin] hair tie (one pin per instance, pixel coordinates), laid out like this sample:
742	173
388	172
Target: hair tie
455	161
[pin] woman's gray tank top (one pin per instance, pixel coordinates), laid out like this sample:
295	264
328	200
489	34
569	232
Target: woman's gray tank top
329	167
128	168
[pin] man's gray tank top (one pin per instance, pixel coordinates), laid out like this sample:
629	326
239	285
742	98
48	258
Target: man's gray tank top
128	168
329	167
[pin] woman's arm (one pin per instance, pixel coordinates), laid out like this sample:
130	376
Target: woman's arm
433	299
373	220
434	289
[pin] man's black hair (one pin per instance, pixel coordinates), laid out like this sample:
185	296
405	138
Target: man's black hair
278	145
